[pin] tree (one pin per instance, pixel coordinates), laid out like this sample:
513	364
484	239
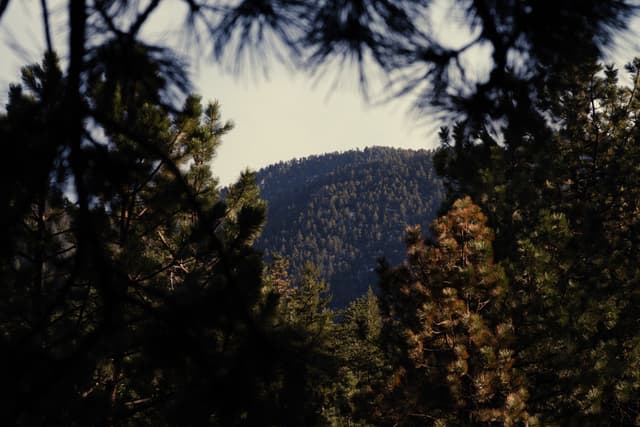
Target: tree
564	196
455	359
309	374
363	363
146	304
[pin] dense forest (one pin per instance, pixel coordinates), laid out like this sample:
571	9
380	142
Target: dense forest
343	211
133	290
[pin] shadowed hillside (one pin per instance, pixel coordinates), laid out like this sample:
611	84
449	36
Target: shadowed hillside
343	210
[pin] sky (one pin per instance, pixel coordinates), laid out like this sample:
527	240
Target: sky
287	115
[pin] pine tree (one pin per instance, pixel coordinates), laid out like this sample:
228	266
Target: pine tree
563	195
455	358
310	367
132	293
363	363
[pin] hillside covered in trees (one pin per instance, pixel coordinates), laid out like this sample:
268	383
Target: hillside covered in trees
342	211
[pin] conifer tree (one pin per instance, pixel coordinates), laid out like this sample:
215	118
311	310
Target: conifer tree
131	290
309	376
563	194
363	363
455	358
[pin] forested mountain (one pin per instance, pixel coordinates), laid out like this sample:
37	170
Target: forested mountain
342	211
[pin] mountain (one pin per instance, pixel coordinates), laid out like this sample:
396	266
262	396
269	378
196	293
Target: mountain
344	210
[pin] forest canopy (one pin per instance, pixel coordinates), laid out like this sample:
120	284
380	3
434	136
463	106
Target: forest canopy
342	211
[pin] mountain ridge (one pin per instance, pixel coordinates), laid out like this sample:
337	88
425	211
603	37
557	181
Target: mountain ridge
343	210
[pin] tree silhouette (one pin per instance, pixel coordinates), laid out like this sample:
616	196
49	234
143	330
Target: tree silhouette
145	302
527	40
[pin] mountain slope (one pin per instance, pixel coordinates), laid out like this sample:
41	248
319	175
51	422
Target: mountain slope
344	210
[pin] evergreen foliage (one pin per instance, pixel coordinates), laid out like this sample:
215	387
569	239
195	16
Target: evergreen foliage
144	304
525	42
445	309
342	211
365	366
563	195
337	361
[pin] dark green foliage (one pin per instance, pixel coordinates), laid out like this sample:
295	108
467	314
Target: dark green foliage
342	211
144	304
336	363
312	388
564	198
364	364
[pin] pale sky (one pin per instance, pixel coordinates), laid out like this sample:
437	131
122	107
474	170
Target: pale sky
285	116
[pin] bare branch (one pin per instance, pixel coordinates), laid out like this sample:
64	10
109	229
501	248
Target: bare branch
3	7
47	27
142	18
